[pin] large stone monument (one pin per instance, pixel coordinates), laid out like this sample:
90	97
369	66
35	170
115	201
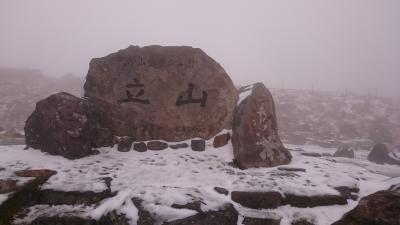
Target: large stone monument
162	93
255	137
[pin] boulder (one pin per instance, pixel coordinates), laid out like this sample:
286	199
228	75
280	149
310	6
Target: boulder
382	207
255	137
221	140
221	190
198	145
344	151
65	125
381	154
156	145
162	93
140	147
125	144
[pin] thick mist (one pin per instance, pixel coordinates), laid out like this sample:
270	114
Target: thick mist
343	45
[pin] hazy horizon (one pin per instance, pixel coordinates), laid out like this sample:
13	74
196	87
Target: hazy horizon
338	45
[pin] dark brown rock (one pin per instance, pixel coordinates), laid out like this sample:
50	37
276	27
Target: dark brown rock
162	93
63	124
344	151
140	147
381	154
221	140
226	216
198	145
255	137
178	146
380	208
260	221
125	144
314	201
156	145
221	190
8	185
258	200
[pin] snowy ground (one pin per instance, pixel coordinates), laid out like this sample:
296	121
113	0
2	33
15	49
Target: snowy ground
163	178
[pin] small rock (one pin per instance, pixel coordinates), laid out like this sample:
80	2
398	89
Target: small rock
156	145
258	200
221	140
140	147
198	145
292	169
178	146
191	205
221	190
125	144
8	185
260	221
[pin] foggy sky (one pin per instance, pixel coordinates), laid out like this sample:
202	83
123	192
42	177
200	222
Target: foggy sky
336	45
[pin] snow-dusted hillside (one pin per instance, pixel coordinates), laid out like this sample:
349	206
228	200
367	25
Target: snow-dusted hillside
165	179
20	89
326	119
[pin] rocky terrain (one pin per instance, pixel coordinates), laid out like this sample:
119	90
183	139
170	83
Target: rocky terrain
166	186
163	137
304	117
328	119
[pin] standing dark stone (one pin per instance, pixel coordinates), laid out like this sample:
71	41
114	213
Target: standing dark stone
125	144
63	124
140	147
198	145
170	93
255	137
381	154
344	151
